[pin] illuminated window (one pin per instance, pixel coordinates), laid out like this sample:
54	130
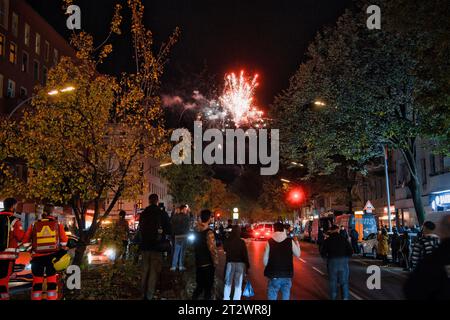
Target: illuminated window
120	205
139	204
13	53
11	93
24	62
2	45
4	9
47	51
38	44
15	25
55	57
27	31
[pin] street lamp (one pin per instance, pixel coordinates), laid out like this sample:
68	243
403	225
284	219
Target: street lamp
285	180
53	92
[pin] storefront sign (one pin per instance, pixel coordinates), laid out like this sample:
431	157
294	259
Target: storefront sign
440	201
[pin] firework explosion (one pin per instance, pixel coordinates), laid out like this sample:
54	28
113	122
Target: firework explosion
237	98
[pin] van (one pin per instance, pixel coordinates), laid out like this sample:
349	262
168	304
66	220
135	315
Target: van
365	224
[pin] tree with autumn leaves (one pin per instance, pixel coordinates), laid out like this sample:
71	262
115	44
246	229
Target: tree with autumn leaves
87	145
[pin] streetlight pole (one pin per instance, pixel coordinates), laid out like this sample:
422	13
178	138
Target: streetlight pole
51	93
388	195
18	107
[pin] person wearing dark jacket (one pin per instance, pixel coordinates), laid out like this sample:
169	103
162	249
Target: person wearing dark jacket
279	264
395	246
424	244
154	227
236	263
206	257
343	232
431	278
180	228
337	250
354	236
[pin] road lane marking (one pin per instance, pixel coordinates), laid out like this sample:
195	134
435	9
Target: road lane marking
318	271
355	295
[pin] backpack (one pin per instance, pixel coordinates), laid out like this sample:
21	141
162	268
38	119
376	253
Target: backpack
46	236
5	228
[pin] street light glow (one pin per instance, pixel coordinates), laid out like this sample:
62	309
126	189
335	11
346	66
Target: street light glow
319	103
68	89
53	92
285	180
165	164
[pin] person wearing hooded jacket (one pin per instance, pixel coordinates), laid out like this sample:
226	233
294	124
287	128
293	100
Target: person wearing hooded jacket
237	263
278	262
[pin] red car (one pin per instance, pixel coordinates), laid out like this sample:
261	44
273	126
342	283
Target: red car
263	231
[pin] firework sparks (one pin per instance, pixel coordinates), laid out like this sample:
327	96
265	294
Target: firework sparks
238	96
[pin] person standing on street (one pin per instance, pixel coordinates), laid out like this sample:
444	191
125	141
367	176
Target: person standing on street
278	262
404	250
354	236
123	232
237	263
430	280
395	246
180	229
337	251
424	244
383	245
48	242
206	257
154	227
11	236
320	237
343	232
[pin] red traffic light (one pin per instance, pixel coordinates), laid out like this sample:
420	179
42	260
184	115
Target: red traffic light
296	196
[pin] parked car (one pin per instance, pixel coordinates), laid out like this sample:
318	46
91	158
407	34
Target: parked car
369	246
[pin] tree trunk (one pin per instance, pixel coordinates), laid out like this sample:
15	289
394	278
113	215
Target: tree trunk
79	255
414	184
416	193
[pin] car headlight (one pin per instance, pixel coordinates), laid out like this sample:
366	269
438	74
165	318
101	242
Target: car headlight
110	253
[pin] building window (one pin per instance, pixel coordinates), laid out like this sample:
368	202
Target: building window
38	44
24	62
139	204
47	51
11	93
15	25
1	86
2	45
13	52
26	38
44	75
4	10
120	205
23	92
424	171
55	57
36	70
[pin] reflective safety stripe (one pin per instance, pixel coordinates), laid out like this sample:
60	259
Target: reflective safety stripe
52	295
36	295
63	243
5	256
45	240
10	250
4	296
46	247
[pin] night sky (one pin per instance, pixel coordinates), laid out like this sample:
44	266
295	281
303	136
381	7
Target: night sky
268	37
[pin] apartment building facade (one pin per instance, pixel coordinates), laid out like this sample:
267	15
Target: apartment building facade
29	47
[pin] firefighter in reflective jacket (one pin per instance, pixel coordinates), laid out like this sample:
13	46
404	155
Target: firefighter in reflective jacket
47	237
11	235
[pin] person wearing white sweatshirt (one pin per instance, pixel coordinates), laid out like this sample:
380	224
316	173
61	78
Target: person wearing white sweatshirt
279	264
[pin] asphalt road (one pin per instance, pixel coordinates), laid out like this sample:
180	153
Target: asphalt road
310	280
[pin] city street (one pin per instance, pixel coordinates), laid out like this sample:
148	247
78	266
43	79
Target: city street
310	278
